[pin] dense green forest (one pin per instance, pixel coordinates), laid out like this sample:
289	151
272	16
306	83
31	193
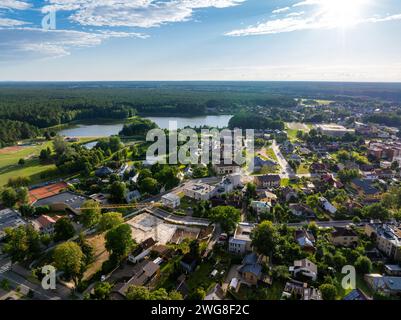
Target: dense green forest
387	119
11	131
253	121
29	107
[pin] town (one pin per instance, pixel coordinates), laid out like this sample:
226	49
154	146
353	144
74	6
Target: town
324	193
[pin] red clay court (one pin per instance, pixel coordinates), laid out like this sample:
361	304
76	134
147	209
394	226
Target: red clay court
46	191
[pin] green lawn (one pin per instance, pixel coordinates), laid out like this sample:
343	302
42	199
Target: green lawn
303	169
32	168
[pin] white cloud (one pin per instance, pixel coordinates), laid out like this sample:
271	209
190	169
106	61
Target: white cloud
4	22
14	4
281	10
325	14
134	13
22	43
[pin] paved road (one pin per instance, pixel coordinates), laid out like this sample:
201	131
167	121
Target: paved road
286	170
18	280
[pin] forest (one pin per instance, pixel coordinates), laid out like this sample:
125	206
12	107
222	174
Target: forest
26	108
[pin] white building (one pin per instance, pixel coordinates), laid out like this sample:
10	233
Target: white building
171	200
333	130
327	205
200	191
241	242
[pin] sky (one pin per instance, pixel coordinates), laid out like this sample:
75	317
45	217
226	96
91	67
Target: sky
272	40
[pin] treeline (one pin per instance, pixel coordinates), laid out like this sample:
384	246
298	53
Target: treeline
387	119
137	126
253	121
11	131
48	105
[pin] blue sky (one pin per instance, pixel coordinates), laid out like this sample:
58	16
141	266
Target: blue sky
330	40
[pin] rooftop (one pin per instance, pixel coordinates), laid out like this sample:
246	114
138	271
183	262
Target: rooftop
72	200
9	218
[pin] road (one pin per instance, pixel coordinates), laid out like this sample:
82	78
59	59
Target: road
286	170
17	280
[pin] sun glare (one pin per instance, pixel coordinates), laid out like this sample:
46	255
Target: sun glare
343	13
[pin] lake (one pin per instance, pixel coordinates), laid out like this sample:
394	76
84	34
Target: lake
109	129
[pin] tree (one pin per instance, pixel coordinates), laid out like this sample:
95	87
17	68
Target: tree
264	238
9	197
22	243
197	294
376	211
110	220
250	190
149	185
63	229
59	145
227	216
22	195
27	210
91	213
143	293
119	241
68	257
102	291
21	162
329	291
118	192
363	265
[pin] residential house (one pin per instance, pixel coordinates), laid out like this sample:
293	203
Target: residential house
385	284
301	291
241	242
387	237
268	181
171	200
215	293
365	188
103	172
224	169
289	194
259	164
132	196
356	295
327	206
305	239
304	268
261	207
302	210
45	223
188	263
251	269
142	250
393	270
343	236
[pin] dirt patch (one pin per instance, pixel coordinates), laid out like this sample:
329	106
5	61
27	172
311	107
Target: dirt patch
10	150
100	254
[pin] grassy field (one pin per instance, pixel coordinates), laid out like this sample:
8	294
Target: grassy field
9	157
303	169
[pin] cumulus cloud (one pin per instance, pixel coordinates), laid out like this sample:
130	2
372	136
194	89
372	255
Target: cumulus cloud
133	13
21	43
14	4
